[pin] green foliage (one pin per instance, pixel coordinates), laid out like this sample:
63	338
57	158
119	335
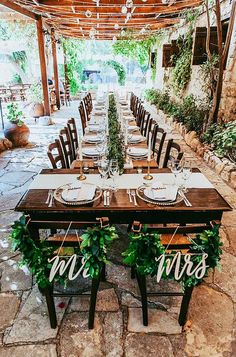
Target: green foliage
15	115
20	58
35	93
222	138
72	48
145	246
35	257
119	68
182	63
136	49
115	144
95	242
208	73
191	112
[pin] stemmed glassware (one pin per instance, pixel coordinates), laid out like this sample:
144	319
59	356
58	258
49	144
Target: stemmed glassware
114	171
186	173
103	168
176	168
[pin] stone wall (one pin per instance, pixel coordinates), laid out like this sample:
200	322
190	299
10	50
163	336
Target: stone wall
163	76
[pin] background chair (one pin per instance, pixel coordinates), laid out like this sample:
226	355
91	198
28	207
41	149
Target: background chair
55	155
66	144
73	135
173	151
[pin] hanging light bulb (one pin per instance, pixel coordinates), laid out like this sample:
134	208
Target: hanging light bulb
142	31
165	2
114	39
129	4
116	26
88	13
92	32
122	33
124	10
128	16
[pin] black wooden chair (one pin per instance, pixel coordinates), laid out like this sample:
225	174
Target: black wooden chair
82	116
55	155
179	243
71	125
158	139
173	151
67	148
73	240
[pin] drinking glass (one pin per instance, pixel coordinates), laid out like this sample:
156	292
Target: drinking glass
186	173
176	168
114	171
103	168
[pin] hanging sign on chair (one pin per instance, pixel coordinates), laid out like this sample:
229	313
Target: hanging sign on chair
61	265
175	263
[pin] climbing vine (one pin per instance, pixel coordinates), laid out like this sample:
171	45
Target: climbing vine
119	68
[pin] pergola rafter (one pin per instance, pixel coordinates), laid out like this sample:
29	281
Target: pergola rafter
71	17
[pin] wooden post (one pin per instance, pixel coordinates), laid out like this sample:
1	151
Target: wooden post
55	67
43	66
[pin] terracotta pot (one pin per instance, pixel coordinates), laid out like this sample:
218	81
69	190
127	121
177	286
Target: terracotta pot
38	110
18	135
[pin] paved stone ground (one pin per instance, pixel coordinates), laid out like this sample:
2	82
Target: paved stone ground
24	324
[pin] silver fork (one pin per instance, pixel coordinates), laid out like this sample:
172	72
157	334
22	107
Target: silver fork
130	197
48	198
134	196
186	201
51	199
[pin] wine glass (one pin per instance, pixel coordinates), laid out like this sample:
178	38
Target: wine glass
176	168
114	171
103	168
186	173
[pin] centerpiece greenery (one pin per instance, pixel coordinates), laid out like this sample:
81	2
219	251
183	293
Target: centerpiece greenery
94	248
145	246
115	144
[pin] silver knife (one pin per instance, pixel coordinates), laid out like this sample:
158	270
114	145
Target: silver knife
105	198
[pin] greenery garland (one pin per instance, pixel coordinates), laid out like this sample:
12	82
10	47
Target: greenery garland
145	247
115	144
119	68
95	241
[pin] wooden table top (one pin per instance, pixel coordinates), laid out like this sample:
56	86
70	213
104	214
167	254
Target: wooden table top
202	199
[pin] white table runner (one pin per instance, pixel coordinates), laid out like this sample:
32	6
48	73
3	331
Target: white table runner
52	181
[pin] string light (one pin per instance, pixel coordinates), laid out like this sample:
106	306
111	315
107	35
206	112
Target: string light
124	10
88	13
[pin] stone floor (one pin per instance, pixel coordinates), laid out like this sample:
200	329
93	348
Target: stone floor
24	324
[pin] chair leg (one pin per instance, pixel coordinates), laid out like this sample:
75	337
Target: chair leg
185	305
51	306
103	273
143	290
93	299
132	272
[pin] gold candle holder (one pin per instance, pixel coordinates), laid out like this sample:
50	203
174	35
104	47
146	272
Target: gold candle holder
148	176
81	177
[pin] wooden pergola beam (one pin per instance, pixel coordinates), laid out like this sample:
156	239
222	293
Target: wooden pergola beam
43	65
19	9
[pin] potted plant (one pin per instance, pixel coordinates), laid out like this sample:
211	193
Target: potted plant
36	97
16	131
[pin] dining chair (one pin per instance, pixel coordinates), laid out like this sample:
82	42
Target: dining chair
67	93
178	243
140	115
147	127
73	240
66	144
82	116
71	125
55	155
158	139
173	151
145	117
90	102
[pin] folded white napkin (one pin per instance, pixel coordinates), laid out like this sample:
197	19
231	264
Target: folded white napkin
133	127
136	138
90	151
92	127
91	138
133	151
165	194
83	193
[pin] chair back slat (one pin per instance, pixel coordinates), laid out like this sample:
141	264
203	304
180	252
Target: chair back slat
173	150
73	135
66	144
55	155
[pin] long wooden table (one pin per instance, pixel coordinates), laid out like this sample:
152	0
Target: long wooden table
207	205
